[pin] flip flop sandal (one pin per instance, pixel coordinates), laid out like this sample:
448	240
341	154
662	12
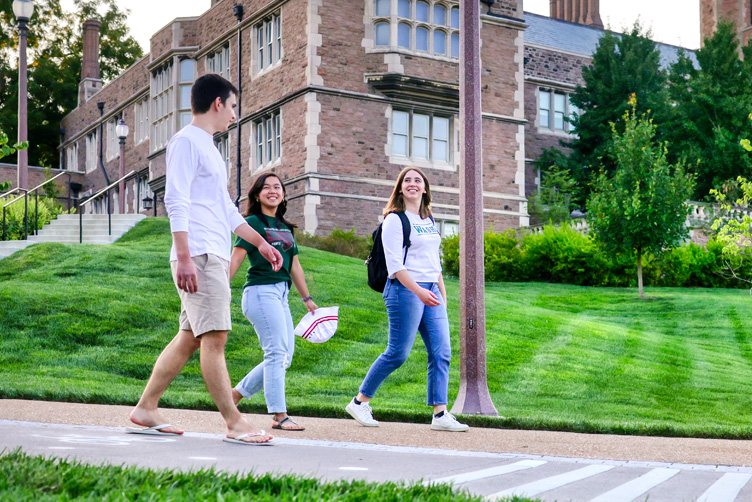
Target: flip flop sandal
154	431
288	419
239	439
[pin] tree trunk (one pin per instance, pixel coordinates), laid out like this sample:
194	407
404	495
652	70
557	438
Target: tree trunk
639	273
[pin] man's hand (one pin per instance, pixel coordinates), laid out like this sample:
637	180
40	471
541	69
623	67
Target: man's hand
272	255
187	276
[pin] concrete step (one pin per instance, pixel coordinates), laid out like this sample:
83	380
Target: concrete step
103	217
74	239
98	229
7	248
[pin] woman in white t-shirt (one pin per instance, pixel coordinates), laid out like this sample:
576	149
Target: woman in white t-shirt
415	299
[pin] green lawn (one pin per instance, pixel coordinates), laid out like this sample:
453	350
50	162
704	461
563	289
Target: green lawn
86	323
36	479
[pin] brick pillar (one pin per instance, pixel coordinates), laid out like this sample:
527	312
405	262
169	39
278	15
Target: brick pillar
90	66
91	83
593	17
568	10
554	9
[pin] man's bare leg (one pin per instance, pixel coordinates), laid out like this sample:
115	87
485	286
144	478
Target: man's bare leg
169	364
217	379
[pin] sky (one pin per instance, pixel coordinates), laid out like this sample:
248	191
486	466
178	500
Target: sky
675	22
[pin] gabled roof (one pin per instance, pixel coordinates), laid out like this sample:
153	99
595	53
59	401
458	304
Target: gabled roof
580	38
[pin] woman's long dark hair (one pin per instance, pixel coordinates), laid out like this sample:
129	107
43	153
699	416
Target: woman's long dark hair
254	206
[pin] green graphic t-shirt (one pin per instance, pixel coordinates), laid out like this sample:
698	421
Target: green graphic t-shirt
278	235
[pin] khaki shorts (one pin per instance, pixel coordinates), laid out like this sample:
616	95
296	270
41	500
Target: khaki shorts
208	309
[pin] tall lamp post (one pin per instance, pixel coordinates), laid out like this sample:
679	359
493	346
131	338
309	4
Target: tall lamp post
121	130
473	396
22	9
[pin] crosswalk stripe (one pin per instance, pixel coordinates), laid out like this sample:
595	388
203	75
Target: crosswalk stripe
633	489
487	473
543	485
725	489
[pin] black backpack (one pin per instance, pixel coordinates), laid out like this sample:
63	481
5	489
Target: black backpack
376	261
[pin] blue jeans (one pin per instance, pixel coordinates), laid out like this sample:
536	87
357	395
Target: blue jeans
267	309
408	315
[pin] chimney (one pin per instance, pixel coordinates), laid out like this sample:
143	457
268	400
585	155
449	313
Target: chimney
91	83
577	11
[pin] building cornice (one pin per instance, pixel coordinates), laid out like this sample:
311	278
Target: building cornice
175	51
506	22
551	83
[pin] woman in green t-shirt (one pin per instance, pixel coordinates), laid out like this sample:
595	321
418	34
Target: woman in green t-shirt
265	296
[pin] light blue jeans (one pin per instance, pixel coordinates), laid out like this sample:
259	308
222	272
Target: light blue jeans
267	308
408	315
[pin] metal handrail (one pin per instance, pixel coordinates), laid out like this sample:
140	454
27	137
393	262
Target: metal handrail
36	205
105	190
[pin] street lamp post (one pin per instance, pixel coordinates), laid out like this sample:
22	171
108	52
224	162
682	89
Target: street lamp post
473	396
121	130
23	9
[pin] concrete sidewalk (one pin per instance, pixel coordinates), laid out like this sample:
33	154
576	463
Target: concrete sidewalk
558	444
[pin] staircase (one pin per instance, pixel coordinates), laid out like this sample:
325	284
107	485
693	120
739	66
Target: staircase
65	229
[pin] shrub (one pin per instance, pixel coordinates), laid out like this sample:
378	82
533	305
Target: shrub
502	256
14	215
340	242
563	255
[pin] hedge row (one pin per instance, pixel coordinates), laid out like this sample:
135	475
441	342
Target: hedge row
563	255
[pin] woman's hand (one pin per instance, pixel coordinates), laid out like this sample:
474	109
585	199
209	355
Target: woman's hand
311	306
428	297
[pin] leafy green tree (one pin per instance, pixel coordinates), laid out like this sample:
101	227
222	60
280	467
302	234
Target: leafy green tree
710	116
7	149
55	59
552	203
622	65
642	207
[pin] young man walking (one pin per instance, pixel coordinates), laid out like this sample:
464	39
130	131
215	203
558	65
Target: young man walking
202	216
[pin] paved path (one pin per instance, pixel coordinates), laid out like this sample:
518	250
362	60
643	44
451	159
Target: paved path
492	463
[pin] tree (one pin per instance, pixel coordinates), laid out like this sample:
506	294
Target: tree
734	229
710	116
622	65
8	149
55	56
642	208
552	203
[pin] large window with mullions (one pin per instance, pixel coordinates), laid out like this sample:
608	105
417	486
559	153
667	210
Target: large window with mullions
420	26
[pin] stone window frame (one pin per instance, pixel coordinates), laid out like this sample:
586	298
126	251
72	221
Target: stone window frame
141	123
92	147
267	140
163	107
410	160
448	227
112	142
71	158
569	110
185	83
395	22
218	61
267	36
223	144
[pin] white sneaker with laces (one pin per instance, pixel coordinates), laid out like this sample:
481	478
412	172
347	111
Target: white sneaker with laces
362	413
447	422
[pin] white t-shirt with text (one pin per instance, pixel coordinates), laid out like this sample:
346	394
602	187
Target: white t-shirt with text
423	257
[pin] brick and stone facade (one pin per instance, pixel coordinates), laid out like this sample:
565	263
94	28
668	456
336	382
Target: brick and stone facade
327	87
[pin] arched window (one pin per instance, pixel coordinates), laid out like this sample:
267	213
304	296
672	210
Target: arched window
439	42
455	18
421	11
455	45
382	34
382	7
404	8
421	38
439	15
403	35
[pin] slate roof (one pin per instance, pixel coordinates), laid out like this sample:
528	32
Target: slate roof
579	38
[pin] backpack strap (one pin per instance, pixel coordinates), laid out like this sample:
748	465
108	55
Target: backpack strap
405	232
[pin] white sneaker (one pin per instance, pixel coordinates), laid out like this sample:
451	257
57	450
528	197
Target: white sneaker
447	422
362	413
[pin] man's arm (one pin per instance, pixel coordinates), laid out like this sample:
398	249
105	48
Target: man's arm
248	234
186	275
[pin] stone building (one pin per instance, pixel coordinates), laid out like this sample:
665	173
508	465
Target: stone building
337	97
